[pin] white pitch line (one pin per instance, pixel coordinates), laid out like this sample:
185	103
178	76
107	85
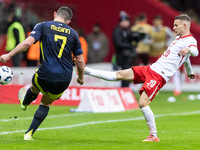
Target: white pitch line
106	121
51	116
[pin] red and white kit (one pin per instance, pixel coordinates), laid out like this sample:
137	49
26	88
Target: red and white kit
156	75
170	62
153	82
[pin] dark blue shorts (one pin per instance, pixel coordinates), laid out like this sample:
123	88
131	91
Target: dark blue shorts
54	89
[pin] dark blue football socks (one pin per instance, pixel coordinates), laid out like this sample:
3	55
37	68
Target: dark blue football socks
39	116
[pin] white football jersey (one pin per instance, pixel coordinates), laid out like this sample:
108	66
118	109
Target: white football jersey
170	62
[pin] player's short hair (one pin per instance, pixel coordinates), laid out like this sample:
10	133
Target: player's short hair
183	17
65	13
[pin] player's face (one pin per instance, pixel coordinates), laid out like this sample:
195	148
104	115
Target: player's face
178	27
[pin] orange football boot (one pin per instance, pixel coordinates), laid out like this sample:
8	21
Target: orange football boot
151	138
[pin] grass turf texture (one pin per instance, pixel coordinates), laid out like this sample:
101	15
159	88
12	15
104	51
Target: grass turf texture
89	131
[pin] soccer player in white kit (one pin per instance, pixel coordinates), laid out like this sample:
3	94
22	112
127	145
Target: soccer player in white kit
156	75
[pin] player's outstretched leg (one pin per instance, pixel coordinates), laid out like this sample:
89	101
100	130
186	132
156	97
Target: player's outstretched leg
106	75
39	116
26	97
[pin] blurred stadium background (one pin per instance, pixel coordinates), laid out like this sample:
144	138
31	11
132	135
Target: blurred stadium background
178	123
86	14
106	13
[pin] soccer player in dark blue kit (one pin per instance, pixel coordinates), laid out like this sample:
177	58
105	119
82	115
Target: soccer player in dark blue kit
58	42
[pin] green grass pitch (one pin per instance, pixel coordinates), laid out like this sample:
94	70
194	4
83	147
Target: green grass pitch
178	125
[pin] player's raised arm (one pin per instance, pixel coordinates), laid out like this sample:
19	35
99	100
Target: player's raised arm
24	45
80	69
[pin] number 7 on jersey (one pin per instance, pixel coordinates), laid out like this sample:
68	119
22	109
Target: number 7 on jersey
64	39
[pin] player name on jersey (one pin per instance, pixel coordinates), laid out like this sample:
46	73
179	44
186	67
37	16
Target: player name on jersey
60	29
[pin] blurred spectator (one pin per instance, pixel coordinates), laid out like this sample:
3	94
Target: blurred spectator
125	52
193	15
143	47
15	35
98	45
5	8
162	36
190	7
84	44
33	53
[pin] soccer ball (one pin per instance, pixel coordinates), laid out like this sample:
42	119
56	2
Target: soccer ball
6	75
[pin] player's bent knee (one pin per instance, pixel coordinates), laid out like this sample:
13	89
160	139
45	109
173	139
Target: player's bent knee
34	89
45	104
144	103
46	100
141	105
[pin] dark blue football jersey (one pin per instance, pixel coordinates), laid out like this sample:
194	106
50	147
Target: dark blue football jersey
58	42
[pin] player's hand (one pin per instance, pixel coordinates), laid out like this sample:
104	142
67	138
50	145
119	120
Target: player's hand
80	81
191	76
183	52
4	58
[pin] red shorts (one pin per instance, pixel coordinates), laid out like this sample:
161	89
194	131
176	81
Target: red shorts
153	82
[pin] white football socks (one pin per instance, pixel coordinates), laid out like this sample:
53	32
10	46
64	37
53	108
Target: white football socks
150	119
106	75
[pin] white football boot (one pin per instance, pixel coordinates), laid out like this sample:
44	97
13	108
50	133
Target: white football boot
28	136
21	95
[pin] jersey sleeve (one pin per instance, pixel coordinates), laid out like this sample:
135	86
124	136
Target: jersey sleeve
188	66
77	47
193	48
37	32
